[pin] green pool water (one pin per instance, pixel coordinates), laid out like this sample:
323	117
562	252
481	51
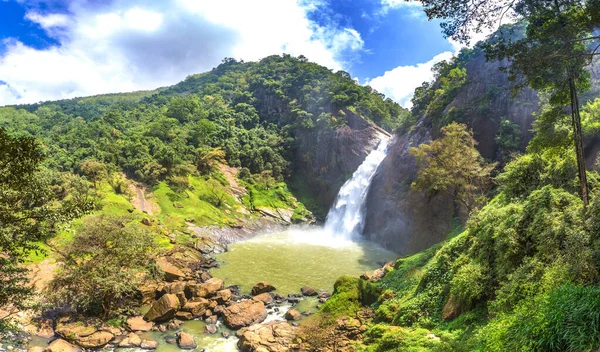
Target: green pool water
296	258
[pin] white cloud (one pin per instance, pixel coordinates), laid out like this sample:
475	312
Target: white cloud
399	84
130	45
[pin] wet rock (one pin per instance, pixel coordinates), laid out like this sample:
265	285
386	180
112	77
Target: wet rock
132	340
174	324
210	329
149	344
243	314
186	341
138	324
172	273
60	345
324	294
223	296
205	276
266	298
293	314
225	334
181	315
308	291
211	320
322	300
170	339
262	287
206	289
273	337
163	309
218	310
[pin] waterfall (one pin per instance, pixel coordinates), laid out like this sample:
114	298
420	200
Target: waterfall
346	218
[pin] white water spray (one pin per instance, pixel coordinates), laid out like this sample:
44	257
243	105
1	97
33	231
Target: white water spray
346	219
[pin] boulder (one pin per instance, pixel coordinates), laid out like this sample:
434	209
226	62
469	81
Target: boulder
163	309
274	336
293	314
223	296
138	324
74	331
266	298
130	341
36	349
149	344
186	341
197	306
262	287
246	313
181	315
206	289
60	345
211	320
172	273
210	329
308	291
96	340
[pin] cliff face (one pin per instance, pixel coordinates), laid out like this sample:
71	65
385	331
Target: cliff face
406	221
327	157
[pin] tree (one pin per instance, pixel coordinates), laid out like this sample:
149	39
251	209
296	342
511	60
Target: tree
552	56
452	165
93	170
101	269
30	211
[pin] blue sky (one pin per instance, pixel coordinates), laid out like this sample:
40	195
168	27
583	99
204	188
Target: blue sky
60	49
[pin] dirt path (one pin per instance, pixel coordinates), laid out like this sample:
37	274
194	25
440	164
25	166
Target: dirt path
231	175
40	274
139	201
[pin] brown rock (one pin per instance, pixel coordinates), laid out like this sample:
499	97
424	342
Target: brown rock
163	309
308	291
132	340
138	324
74	331
262	287
205	276
172	273
223	296
181	315
36	349
45	329
266	298
210	329
149	344
186	341
243	314
293	314
274	336
60	345
197	306
95	340
206	289
451	310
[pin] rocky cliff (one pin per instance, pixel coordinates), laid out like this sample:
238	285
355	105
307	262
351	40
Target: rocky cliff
327	157
406	221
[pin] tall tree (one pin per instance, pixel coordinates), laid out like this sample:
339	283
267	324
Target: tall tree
558	44
30	211
452	165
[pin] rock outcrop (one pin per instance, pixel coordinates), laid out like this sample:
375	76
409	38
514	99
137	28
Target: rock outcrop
163	309
324	157
186	341
262	287
405	221
242	314
272	337
60	345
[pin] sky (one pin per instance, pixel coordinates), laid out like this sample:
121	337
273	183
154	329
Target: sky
59	49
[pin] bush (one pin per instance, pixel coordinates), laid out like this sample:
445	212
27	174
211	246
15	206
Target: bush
565	319
102	267
345	299
469	284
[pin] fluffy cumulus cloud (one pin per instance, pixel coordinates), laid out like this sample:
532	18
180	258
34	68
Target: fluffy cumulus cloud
130	45
399	84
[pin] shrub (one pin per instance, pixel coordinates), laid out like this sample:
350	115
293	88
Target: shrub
565	319
102	267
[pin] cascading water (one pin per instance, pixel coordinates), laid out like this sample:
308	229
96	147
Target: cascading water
346	218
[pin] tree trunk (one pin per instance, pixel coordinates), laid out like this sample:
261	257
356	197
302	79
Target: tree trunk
578	139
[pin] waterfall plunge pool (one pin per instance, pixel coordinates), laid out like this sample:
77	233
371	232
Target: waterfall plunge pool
296	258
